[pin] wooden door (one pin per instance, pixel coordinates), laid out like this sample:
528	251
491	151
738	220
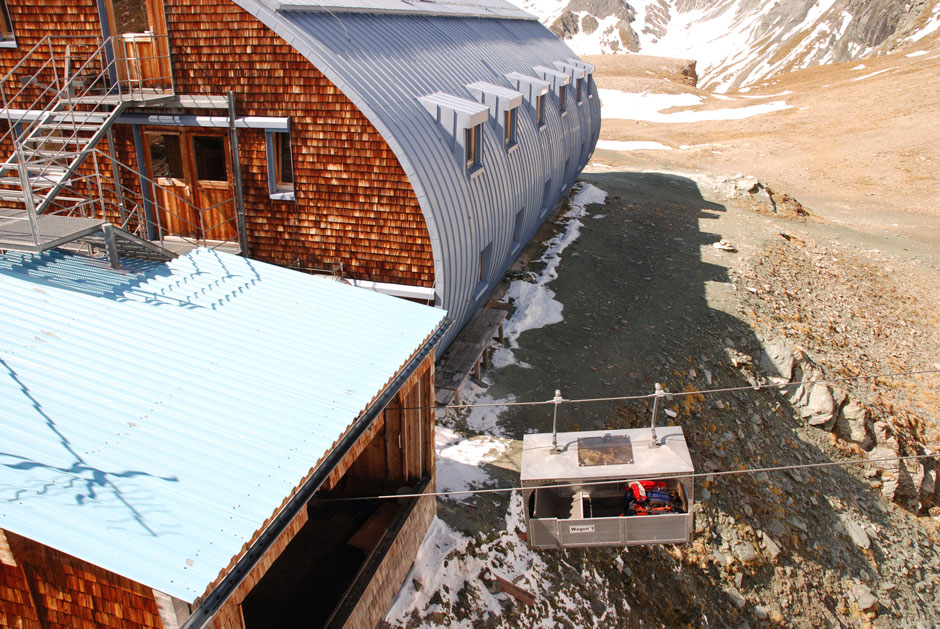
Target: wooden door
194	195
140	45
214	192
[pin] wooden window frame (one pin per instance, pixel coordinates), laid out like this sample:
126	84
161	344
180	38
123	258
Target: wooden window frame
563	99
278	188
509	128
540	111
7	36
472	147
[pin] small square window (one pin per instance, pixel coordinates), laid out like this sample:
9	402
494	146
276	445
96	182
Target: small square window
472	141
562	100
509	127
280	165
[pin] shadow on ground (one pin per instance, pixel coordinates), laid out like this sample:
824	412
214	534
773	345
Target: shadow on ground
637	310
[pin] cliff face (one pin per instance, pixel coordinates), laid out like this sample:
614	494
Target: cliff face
739	42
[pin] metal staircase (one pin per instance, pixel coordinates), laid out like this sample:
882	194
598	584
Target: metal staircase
59	102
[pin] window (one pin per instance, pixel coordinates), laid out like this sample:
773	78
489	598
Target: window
472	141
483	271
518	227
577	90
562	100
540	111
509	127
209	155
6	27
283	168
166	157
280	166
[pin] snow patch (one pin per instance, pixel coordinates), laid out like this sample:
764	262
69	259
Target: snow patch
868	76
459	460
777	95
916	53
444	568
535	304
860	66
932	25
617	105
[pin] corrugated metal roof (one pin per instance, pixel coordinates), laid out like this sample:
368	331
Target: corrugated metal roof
467	8
384	63
154	417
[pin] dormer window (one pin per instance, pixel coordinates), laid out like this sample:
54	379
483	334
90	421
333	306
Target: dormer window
558	81
577	90
586	68
533	90
462	121
503	104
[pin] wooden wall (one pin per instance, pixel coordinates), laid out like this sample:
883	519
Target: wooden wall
388	579
408	420
48	589
354	203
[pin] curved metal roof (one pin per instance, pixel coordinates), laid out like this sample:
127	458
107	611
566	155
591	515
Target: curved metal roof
385	60
155	417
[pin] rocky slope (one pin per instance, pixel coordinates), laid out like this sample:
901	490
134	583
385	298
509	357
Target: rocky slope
826	266
739	42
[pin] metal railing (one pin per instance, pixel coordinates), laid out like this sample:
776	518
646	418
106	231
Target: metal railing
116	192
56	115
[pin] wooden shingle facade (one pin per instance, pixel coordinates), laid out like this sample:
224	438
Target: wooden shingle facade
374	104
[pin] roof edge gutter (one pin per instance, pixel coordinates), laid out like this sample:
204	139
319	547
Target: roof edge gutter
207	609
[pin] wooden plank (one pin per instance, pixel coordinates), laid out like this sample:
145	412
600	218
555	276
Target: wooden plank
483	326
515	591
374	528
460	359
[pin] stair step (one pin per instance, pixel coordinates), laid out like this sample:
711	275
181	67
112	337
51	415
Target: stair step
42	155
69	126
56	139
36	183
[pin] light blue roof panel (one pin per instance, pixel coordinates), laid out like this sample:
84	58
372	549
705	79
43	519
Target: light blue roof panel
155	417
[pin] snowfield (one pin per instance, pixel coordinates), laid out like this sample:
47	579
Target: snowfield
650	107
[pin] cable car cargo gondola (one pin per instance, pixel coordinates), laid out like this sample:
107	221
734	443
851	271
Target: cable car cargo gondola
611	495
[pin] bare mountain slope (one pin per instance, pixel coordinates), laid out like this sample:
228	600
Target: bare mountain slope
739	42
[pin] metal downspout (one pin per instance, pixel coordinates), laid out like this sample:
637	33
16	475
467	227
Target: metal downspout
237	168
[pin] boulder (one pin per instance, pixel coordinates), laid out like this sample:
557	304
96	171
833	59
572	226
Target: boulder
821	408
855	531
864	597
776	361
745	552
735	597
854	424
